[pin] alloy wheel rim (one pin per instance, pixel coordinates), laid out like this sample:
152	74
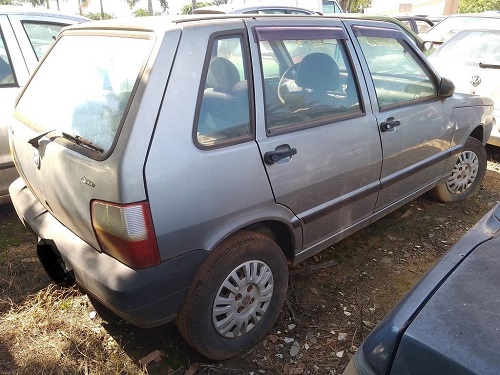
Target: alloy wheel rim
243	299
464	173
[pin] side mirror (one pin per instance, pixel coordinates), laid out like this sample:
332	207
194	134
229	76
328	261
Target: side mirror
446	88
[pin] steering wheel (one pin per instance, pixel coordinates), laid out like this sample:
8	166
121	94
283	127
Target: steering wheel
287	82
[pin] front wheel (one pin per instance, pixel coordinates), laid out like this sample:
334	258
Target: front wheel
466	176
235	297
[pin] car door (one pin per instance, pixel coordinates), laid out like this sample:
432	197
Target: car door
415	126
318	139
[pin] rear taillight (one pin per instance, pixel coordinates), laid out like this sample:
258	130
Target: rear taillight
126	232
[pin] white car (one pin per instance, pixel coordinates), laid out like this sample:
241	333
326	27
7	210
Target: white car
25	35
471	59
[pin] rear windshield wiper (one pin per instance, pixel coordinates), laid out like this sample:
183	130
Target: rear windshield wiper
76	139
80	141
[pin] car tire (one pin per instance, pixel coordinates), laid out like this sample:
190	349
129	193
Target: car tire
467	174
235	297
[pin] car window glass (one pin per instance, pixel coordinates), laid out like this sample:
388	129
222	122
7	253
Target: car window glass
396	72
272	11
306	82
297	12
407	23
41	35
6	73
95	65
224	115
422	26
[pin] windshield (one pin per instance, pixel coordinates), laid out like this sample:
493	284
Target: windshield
473	46
451	25
83	86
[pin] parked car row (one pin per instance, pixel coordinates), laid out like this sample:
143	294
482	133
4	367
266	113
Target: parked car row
182	184
24	37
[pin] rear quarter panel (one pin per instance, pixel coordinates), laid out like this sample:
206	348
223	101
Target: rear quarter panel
198	197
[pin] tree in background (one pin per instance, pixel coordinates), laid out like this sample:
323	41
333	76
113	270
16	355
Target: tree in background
188	9
354	6
144	13
164	5
97	16
478	6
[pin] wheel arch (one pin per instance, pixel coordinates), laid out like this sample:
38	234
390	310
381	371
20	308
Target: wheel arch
283	234
478	133
278	232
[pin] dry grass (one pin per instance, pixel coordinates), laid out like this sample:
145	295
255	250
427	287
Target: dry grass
48	330
52	333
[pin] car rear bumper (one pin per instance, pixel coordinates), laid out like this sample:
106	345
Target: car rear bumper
146	298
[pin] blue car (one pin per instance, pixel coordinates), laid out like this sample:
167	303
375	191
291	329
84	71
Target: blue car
449	323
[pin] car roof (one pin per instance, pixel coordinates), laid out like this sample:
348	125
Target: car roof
19	10
231	9
158	23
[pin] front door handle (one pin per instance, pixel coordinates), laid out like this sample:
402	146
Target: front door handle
272	157
389	124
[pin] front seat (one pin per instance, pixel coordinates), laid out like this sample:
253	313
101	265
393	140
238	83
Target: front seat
318	77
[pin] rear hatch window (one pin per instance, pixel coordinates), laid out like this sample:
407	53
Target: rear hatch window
83	87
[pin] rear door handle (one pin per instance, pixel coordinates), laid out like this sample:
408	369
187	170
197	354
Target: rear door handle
389	124
272	157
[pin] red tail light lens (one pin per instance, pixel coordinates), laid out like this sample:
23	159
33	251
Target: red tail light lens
126	232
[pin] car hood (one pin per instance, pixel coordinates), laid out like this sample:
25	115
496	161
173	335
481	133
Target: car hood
385	343
469	78
458	329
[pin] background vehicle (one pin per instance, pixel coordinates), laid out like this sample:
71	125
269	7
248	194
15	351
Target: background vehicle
321	6
447	324
471	59
182	184
418	24
251	9
424	46
456	22
24	37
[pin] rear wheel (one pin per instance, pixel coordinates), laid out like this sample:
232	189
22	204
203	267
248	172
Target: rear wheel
466	176
235	297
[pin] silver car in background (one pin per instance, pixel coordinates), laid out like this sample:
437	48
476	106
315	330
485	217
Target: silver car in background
25	35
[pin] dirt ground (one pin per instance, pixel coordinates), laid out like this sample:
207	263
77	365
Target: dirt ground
334	300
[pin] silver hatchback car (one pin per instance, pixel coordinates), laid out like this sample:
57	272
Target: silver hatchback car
176	168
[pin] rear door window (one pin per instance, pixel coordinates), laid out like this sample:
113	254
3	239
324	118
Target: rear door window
6	72
89	80
308	78
41	35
